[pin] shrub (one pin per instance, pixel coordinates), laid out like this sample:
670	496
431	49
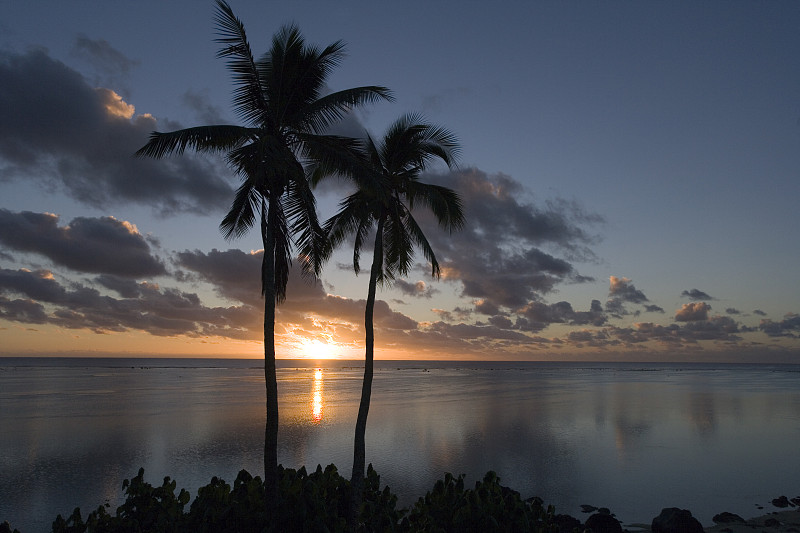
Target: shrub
310	503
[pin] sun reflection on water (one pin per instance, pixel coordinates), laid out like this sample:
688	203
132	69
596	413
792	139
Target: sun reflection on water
316	397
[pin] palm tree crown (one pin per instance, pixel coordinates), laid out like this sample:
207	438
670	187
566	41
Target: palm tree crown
280	99
388	191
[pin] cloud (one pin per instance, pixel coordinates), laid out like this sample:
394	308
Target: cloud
733	311
536	316
418	290
96	245
623	289
692	312
499	256
696	295
101	55
155	310
788	327
206	112
759	312
58	130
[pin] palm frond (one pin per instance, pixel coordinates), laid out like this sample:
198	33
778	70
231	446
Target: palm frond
416	234
201	138
301	213
276	225
443	202
241	216
331	108
248	97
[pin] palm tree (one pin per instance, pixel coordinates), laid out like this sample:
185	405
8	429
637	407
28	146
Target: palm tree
280	99
388	190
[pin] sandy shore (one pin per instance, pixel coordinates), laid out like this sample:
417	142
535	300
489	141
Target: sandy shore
784	521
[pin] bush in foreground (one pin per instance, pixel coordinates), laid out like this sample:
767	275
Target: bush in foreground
310	503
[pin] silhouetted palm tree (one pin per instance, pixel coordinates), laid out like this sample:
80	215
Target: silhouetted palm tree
388	190
280	99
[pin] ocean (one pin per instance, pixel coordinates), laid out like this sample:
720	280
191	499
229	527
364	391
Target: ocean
633	437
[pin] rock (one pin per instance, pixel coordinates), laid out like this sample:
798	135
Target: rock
781	501
772	522
727	518
566	523
5	527
674	520
795	500
603	523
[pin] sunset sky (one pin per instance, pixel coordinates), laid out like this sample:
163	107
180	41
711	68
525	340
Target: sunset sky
629	172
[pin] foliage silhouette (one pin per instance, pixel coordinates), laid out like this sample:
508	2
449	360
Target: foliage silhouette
280	99
313	502
388	189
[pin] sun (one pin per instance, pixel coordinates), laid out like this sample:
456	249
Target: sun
316	349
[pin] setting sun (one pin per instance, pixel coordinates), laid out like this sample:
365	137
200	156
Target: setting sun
316	349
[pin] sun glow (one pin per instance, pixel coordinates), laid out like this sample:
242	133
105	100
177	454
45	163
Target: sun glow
316	349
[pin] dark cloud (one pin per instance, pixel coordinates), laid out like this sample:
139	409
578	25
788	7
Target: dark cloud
719	328
692	312
536	316
654	309
158	311
788	327
57	130
623	289
696	295
418	290
733	311
759	312
97	245
499	255
205	111
101	55
236	276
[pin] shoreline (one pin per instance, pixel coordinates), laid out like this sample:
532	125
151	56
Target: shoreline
786	520
781	521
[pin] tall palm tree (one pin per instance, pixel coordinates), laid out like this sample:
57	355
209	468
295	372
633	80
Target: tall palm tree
388	189
280	99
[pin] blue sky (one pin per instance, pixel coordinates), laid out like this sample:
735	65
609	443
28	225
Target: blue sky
643	156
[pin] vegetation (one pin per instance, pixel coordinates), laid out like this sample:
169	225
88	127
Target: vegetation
314	502
388	189
280	99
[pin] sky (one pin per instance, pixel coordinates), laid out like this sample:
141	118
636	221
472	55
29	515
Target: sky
629	173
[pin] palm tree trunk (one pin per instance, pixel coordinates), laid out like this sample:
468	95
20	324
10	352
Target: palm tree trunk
270	374
359	448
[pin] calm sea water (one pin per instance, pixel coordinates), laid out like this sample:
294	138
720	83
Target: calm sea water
631	437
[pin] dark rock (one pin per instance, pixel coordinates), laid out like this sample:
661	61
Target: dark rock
727	518
726	530
795	500
781	501
566	523
772	522
674	520
5	527
603	523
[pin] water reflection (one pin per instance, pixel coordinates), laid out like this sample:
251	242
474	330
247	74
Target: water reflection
316	397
